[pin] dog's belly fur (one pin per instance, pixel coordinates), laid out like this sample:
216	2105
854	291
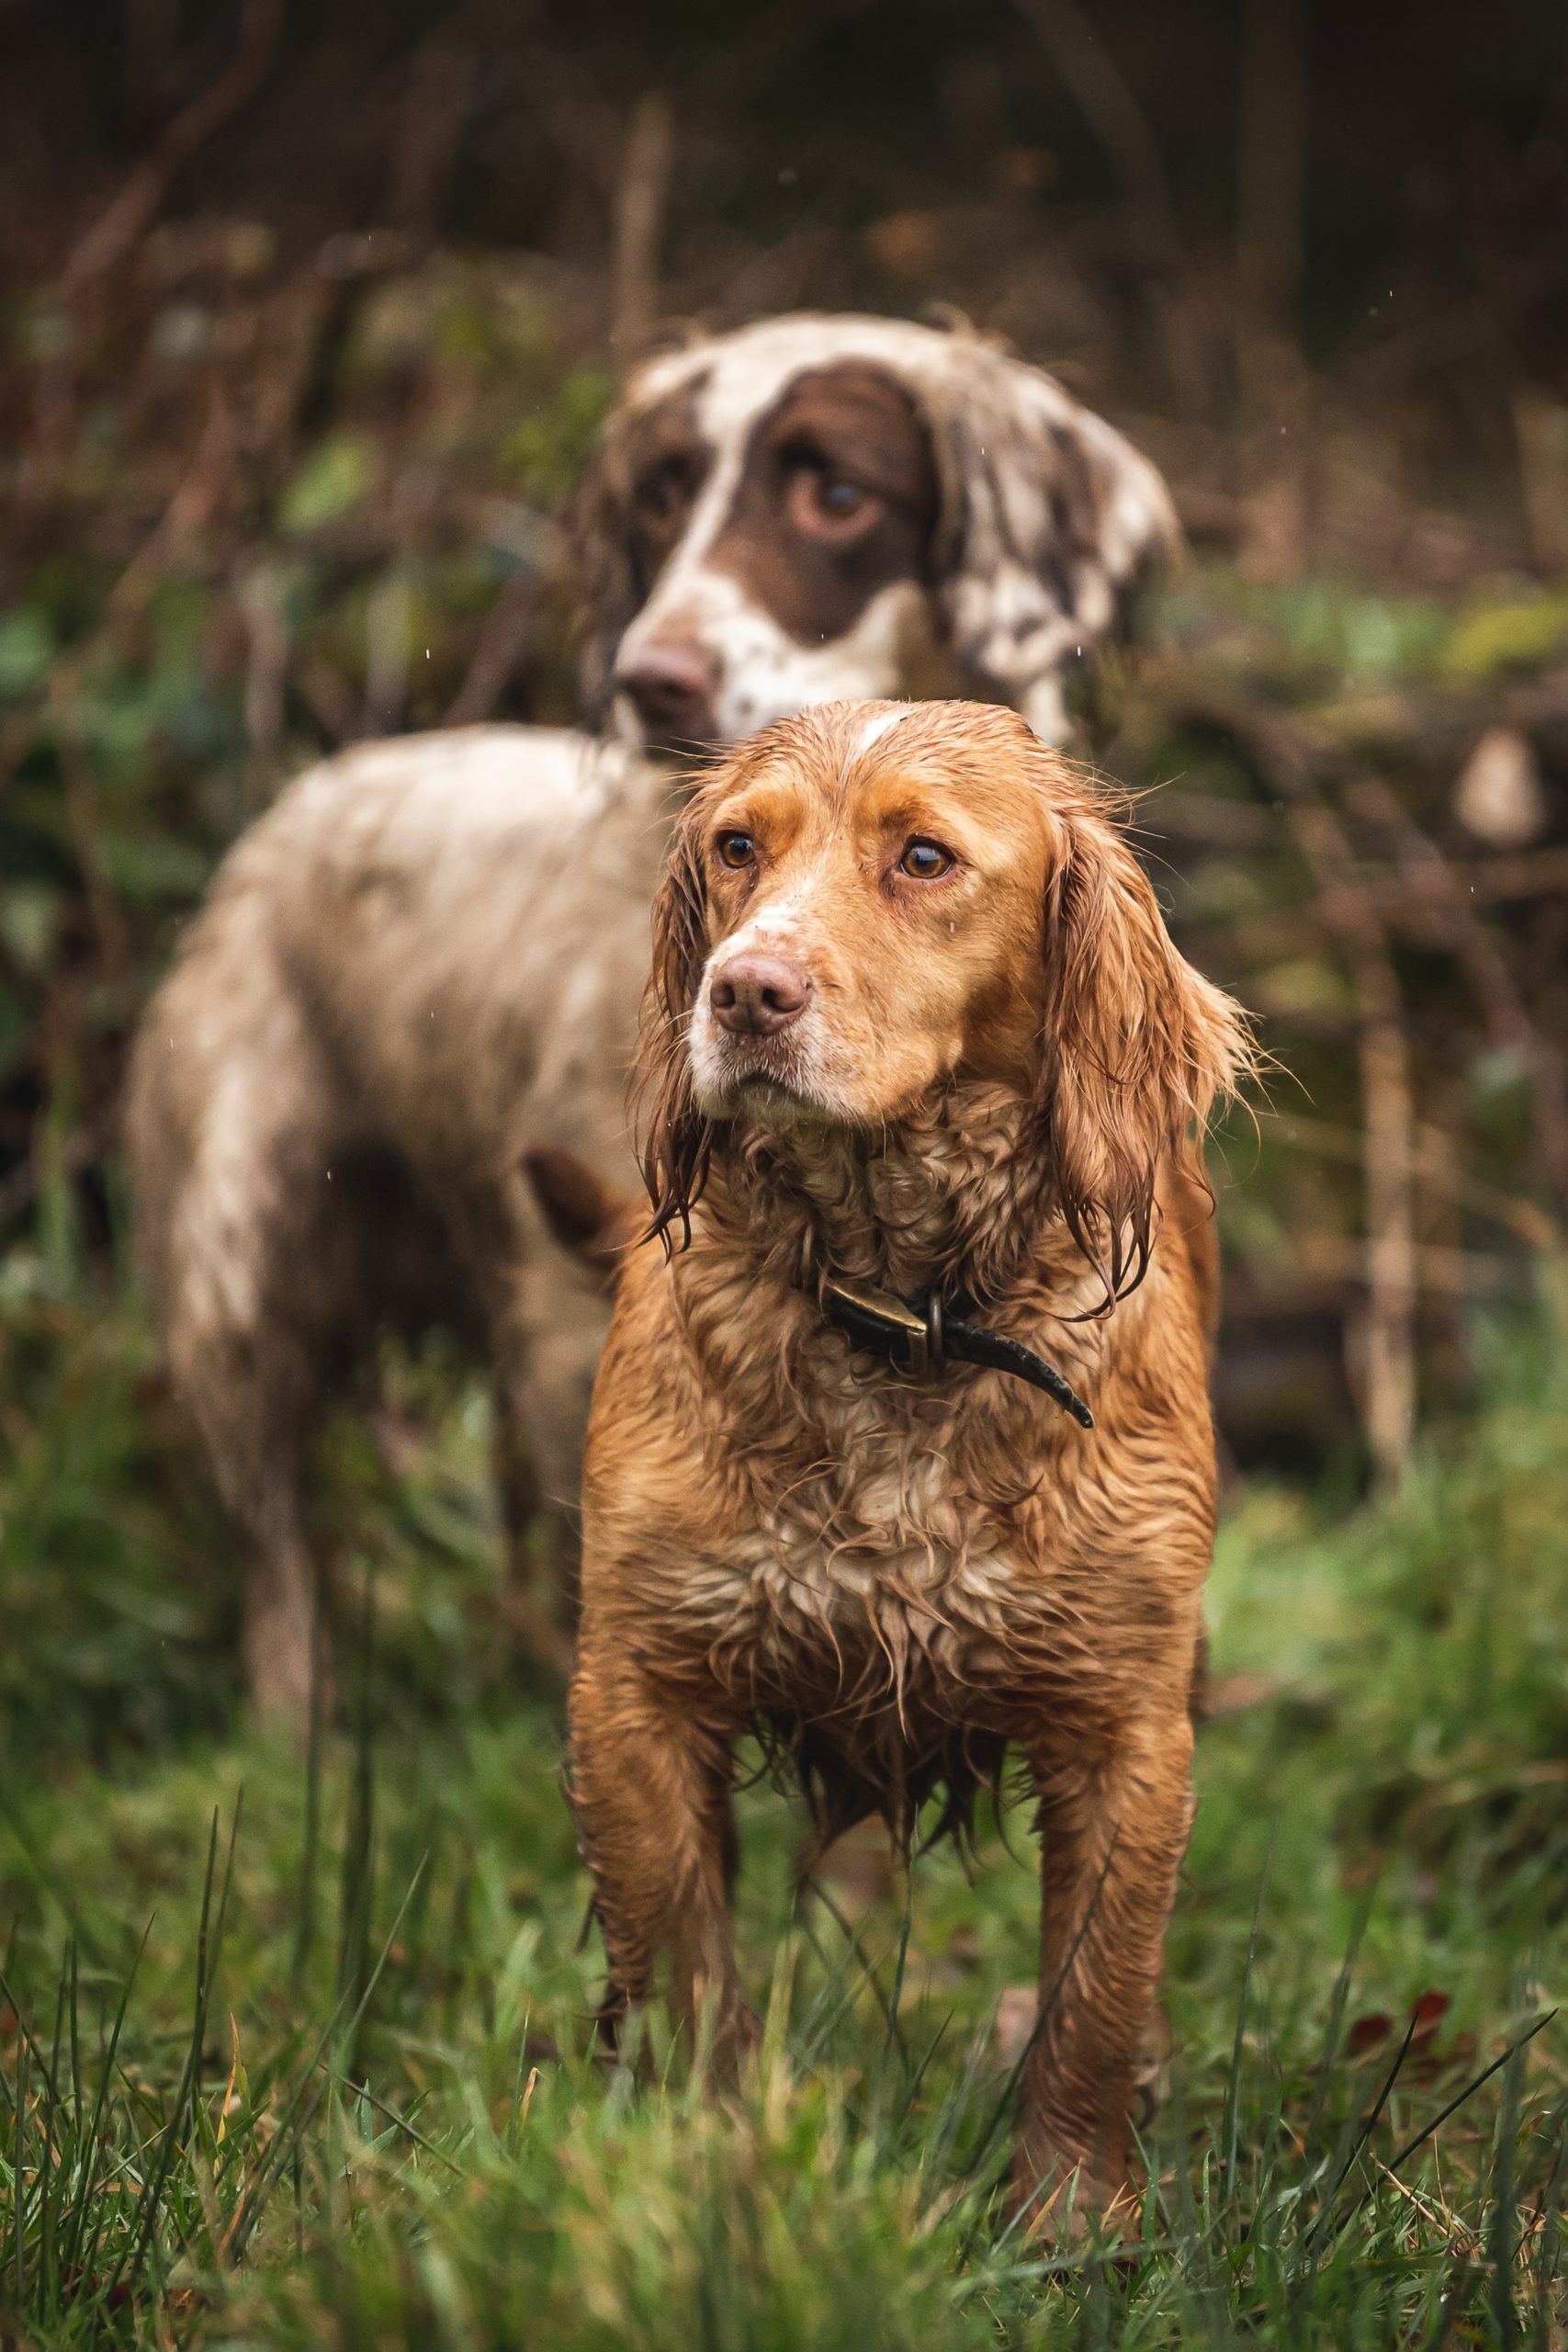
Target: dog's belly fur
887	1678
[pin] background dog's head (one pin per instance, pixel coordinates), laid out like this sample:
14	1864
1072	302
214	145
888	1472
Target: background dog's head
825	509
865	904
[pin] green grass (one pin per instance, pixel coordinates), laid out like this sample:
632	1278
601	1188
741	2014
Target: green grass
294	2052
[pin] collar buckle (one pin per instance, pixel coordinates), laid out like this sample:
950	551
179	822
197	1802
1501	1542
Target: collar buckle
906	1335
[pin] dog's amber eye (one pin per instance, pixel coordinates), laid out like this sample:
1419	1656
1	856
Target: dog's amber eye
737	849
925	860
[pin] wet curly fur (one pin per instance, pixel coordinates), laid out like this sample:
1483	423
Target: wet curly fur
995	1080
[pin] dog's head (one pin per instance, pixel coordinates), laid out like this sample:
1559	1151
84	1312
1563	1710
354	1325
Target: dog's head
865	905
828	509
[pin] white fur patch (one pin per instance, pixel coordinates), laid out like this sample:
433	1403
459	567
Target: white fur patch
877	726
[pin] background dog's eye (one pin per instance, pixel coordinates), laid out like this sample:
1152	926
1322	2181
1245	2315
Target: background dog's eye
737	849
838	497
823	503
664	487
925	860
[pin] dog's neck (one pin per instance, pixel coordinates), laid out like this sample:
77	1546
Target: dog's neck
955	1197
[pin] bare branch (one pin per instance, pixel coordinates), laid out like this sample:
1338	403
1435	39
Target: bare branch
128	219
641	202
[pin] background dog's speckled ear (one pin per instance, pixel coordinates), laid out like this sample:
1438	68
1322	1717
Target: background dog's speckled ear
611	567
607	591
1052	522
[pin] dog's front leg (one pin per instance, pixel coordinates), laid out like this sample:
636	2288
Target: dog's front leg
651	1791
1113	1831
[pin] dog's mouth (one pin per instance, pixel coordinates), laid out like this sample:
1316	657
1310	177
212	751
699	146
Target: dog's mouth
764	1086
756	1079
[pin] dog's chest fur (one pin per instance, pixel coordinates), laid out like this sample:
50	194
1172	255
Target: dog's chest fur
923	1567
919	1545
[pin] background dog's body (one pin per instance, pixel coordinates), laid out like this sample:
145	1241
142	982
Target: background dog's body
426	958
368	1026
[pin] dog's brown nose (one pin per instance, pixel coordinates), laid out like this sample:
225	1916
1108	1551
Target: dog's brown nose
756	996
670	684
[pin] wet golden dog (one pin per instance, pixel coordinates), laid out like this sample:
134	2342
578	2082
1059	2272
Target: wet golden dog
914	1025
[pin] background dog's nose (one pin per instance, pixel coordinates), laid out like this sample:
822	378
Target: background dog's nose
672	684
756	996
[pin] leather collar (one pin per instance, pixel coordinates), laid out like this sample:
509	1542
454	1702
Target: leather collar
922	1335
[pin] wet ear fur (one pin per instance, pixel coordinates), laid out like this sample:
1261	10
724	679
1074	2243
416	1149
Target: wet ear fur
606	591
1138	1047
675	1140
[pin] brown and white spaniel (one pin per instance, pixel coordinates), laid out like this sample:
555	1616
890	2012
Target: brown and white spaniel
425	960
926	1085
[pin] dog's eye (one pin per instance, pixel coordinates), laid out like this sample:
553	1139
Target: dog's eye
664	487
828	506
737	849
838	497
924	860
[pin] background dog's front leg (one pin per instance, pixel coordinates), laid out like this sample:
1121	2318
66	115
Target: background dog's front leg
650	1790
1113	1831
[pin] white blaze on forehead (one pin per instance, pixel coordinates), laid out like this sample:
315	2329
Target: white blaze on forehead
745	373
873	728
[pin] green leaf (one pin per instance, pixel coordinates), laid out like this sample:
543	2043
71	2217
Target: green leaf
27	648
1510	635
333	478
152	867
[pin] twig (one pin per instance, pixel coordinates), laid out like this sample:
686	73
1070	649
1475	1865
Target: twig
1271	175
641	202
131	213
1281	755
1413	894
1487	967
435	111
259	598
1106	99
1430	1161
193	504
502	642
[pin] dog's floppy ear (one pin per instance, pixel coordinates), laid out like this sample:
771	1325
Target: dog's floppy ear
612	577
606	591
1137	1047
674	1139
1051	521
